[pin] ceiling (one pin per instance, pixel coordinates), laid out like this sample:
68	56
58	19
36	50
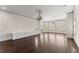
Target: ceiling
49	12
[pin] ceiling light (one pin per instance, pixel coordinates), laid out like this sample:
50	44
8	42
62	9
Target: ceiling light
3	8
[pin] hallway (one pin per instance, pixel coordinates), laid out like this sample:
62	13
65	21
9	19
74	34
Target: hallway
42	43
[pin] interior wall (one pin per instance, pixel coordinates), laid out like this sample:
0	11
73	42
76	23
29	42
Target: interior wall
76	25
11	23
0	26
69	25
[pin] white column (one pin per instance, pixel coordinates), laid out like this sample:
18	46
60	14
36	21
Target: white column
76	24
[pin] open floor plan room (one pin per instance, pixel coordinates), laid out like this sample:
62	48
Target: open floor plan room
39	29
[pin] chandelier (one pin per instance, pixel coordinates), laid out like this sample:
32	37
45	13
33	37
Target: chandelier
39	17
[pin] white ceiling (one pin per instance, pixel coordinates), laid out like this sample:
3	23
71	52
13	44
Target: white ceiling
49	12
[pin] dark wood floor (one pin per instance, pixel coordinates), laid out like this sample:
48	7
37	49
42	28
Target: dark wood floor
42	43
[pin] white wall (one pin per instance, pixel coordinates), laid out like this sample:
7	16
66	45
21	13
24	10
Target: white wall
11	23
69	25
76	25
0	26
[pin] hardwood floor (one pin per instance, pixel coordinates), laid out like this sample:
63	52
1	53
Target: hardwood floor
72	46
42	43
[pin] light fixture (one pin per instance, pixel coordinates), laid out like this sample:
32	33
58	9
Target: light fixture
52	22
39	14
3	8
64	5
